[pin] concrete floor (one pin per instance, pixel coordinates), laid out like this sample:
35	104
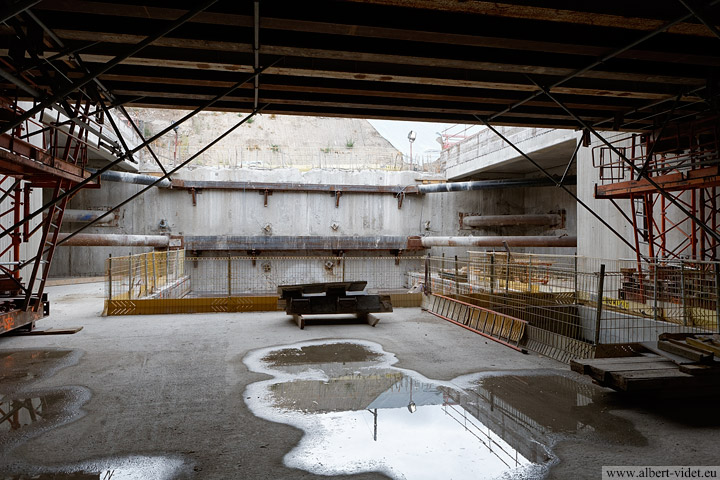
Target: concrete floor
172	387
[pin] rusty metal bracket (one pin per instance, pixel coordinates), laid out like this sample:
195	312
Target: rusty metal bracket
192	192
266	193
400	197
337	195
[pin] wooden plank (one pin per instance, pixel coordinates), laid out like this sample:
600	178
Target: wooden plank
321	287
474	317
601	372
584	365
49	331
708	347
653	347
684	351
637	381
700	369
372	320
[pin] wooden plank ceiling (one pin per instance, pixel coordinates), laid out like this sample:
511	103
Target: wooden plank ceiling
445	60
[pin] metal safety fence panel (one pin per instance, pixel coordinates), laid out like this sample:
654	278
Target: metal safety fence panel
160	282
573	304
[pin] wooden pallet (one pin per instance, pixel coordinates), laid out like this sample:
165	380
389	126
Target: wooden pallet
651	373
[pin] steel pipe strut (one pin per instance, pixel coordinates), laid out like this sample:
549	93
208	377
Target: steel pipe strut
490	184
499	241
114	240
508	220
136	178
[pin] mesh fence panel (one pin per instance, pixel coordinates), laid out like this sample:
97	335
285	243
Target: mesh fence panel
172	275
569	296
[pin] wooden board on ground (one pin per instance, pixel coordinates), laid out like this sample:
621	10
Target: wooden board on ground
651	374
684	350
49	331
584	365
653	347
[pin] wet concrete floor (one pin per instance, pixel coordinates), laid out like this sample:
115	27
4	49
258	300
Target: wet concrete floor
251	396
360	414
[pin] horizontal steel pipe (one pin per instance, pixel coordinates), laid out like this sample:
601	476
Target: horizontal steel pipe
114	240
290	187
492	184
509	220
498	241
71	215
136	178
266	242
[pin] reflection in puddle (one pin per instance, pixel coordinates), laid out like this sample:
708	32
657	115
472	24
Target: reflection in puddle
20	412
543	406
360	414
25	416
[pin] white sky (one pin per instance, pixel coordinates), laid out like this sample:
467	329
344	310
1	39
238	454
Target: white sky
427	133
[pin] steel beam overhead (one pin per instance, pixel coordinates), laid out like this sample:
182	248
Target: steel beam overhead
362	58
63	93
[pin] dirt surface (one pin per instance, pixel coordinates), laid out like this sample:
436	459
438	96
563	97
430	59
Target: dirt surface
164	395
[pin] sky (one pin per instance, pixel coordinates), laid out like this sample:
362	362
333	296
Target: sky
426	134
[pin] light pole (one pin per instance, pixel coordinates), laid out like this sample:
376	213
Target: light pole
411	137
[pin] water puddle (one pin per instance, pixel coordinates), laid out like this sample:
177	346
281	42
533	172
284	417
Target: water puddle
19	367
25	415
127	468
361	414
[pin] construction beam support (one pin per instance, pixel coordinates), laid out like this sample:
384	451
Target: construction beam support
494	241
114	240
511	220
63	93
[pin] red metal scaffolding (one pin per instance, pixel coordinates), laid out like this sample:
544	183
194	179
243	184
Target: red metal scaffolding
38	154
684	161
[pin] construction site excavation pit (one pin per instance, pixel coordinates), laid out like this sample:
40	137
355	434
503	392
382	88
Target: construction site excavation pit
359	414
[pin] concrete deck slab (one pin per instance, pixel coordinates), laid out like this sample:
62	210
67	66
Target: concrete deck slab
173	386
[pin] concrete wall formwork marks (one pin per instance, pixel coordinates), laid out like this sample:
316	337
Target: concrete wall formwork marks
236	212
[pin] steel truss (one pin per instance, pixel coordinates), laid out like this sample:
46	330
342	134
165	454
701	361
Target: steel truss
57	157
55	161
